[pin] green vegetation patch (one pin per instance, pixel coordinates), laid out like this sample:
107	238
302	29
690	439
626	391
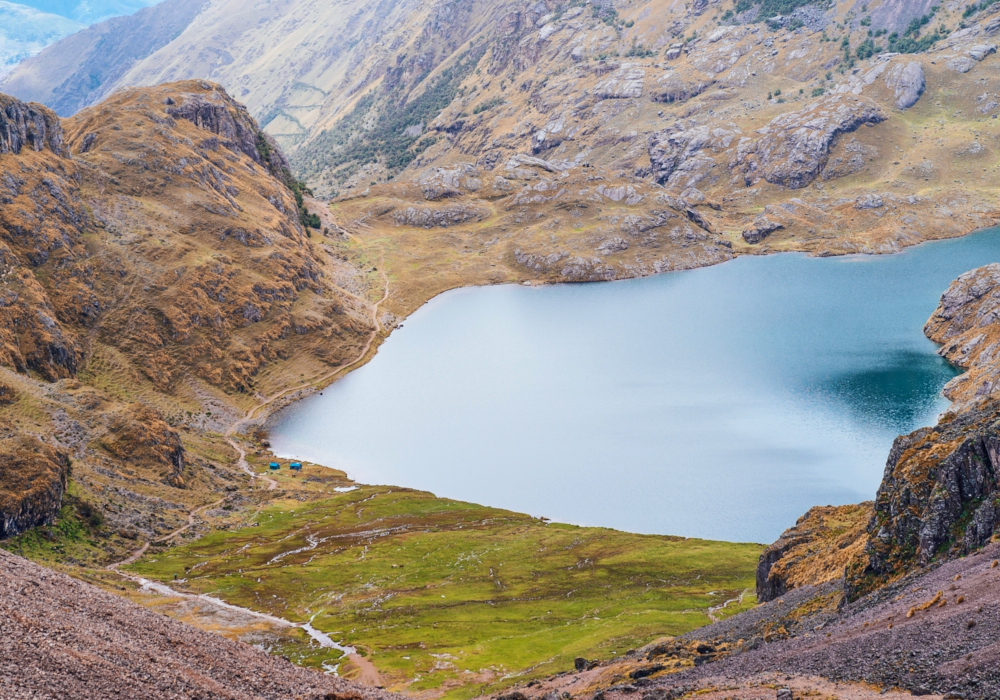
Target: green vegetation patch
441	594
378	129
774	8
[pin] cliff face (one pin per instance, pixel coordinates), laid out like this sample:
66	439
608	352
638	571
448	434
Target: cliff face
154	276
815	551
940	495
32	481
28	125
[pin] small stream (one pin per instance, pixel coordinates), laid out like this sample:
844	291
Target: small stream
320	638
721	402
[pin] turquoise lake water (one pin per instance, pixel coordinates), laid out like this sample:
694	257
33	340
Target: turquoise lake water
722	402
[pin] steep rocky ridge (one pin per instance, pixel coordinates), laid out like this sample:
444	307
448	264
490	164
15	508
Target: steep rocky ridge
939	497
155	276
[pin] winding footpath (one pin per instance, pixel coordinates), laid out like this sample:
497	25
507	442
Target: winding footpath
368	673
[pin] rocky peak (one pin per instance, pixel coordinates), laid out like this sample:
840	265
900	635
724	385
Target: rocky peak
29	125
208	106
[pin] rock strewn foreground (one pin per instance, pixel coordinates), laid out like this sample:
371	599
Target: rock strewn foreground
62	638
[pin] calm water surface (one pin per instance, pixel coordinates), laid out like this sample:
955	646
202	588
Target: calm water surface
721	402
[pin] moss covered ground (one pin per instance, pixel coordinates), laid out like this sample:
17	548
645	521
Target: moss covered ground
452	598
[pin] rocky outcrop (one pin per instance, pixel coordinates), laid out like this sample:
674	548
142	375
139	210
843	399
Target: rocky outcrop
940	495
907	82
794	147
138	435
626	82
813	552
685	153
213	110
762	227
29	126
32	482
673	88
426	217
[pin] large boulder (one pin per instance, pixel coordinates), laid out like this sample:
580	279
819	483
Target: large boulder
907	82
795	146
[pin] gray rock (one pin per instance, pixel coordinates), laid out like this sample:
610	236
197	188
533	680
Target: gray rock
908	82
671	88
869	201
679	153
626	82
794	147
981	51
962	64
29	125
613	245
761	229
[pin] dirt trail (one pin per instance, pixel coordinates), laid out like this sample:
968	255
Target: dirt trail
326	378
368	673
137	554
245	466
716	608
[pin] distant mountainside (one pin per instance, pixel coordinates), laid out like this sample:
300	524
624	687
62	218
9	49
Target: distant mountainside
25	31
80	71
89	11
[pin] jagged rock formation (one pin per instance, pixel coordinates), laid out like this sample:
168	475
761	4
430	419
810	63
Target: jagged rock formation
761	228
32	126
60	637
940	495
813	552
32	482
795	146
213	111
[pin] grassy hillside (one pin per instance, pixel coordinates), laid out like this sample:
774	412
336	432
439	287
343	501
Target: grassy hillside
451	597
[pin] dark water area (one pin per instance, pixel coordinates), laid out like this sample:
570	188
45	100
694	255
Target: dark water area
721	403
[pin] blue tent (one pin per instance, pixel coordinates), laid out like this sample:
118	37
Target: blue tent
297	466
275	465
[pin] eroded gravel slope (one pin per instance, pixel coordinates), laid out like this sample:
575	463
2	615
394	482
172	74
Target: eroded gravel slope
63	638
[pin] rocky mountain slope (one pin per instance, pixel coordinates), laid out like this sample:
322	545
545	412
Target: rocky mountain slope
155	277
60	637
583	141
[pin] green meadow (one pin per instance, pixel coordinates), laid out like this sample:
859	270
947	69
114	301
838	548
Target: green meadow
455	598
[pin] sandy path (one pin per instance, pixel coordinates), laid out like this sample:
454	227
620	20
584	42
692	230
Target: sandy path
137	554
